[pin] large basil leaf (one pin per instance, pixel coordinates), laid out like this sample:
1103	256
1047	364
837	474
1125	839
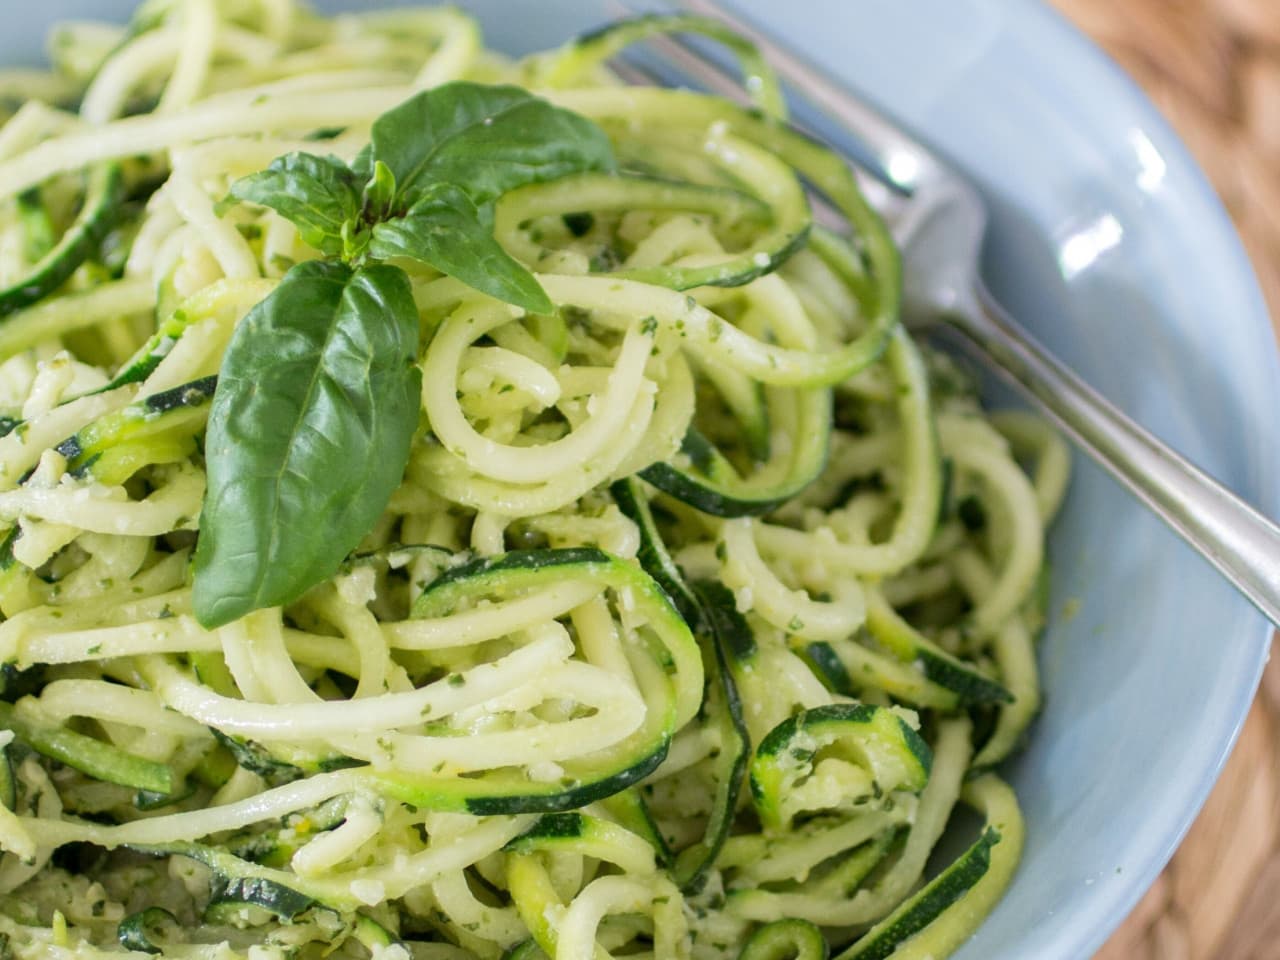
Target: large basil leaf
308	436
319	194
445	230
485	139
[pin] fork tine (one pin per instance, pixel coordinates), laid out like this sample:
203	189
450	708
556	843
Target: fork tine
711	76
632	74
682	56
682	64
906	163
639	74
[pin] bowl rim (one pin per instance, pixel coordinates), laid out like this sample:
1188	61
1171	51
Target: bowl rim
1162	834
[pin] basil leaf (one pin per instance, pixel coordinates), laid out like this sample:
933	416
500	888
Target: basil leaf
308	436
445	230
485	139
319	194
379	197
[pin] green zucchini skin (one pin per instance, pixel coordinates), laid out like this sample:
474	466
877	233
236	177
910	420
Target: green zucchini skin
630	810
151	800
373	934
736	273
104	194
701	493
254	758
837	715
237	883
549	829
158	415
786	940
90	756
498	796
846	875
969	685
897	755
526	950
724	710
928	904
155	429
826	665
280	766
275	847
440	595
569	833
586	780
786	227
722	704
15	683
711	484
903	681
394	554
8	782
861	861
730	626
654	557
193	394
136	931
144	362
792	224
37	226
950	672
599	43
229	894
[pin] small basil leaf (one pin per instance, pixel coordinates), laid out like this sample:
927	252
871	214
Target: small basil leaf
319	194
485	139
309	434
379	193
444	230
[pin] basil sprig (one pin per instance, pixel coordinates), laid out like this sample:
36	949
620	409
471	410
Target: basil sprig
319	393
424	186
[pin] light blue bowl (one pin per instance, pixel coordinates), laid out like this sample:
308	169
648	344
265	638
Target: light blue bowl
1110	245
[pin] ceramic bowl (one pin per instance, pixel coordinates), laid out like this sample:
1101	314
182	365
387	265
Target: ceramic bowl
1110	245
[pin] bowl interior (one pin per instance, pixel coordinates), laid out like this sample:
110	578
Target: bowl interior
1109	245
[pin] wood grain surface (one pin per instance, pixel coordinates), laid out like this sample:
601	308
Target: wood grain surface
1213	68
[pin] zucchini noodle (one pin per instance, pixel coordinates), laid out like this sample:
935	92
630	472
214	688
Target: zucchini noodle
704	601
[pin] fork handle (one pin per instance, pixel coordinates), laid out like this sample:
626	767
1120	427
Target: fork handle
1242	543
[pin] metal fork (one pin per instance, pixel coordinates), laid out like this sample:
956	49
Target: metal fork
939	220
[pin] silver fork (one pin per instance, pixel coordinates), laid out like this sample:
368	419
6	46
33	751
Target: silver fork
939	220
